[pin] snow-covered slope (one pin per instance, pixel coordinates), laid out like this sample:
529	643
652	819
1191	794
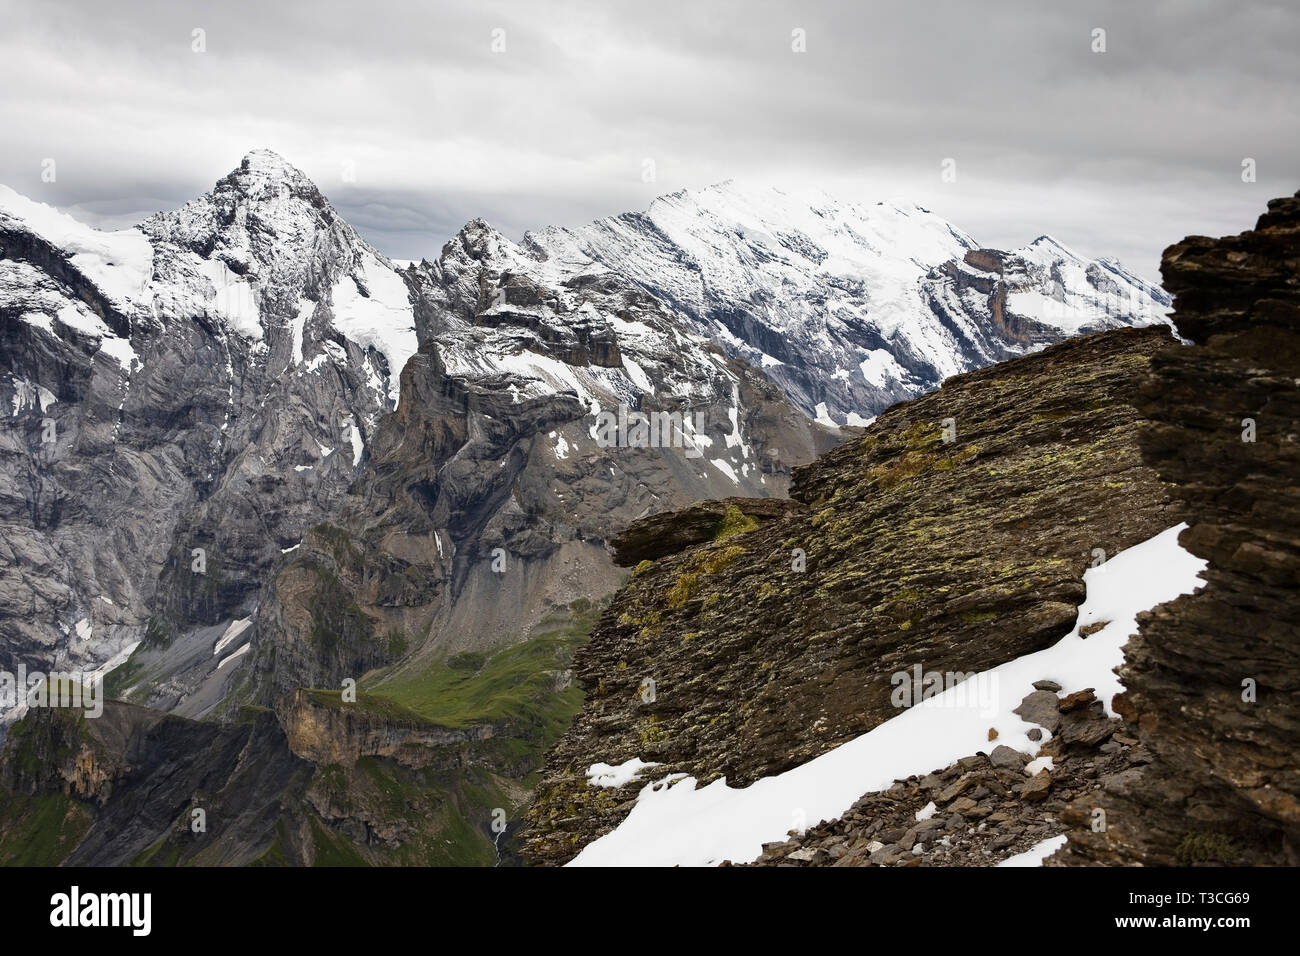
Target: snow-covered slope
850	307
541	329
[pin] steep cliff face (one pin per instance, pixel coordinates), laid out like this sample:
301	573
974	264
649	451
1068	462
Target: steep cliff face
190	397
952	535
185	398
1212	679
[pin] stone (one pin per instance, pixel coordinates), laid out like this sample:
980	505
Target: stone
1080	698
954	790
1006	757
1040	707
1037	787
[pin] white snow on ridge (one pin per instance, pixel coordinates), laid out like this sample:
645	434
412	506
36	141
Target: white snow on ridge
674	823
119	263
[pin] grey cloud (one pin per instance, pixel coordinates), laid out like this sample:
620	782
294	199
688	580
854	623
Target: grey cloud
1118	153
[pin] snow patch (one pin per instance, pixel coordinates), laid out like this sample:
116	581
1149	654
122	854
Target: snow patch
605	775
383	320
236	628
234	656
725	468
1036	854
119	263
879	368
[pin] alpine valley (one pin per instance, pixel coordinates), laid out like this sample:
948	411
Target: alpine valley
338	532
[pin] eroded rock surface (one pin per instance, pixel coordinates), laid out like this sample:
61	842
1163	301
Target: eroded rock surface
1213	679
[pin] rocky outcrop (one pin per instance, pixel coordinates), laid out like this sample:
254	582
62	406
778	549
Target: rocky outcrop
143	775
669	532
325	730
1213	679
953	534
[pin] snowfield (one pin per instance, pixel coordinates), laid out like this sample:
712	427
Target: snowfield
674	823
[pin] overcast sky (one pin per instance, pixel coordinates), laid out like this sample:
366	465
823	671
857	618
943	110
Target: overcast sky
1116	153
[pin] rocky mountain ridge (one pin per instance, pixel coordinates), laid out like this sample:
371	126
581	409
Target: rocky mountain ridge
1210	679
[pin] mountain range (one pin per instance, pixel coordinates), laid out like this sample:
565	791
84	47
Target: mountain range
249	459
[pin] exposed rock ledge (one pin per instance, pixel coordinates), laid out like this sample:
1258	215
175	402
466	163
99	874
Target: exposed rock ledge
1213	679
322	730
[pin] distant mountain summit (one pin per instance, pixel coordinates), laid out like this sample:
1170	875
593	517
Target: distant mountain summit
851	307
205	382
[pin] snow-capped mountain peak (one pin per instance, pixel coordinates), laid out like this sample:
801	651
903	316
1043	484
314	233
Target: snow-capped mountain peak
265	248
850	306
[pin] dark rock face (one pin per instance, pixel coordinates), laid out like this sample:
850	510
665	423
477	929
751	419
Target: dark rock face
1213	679
772	646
